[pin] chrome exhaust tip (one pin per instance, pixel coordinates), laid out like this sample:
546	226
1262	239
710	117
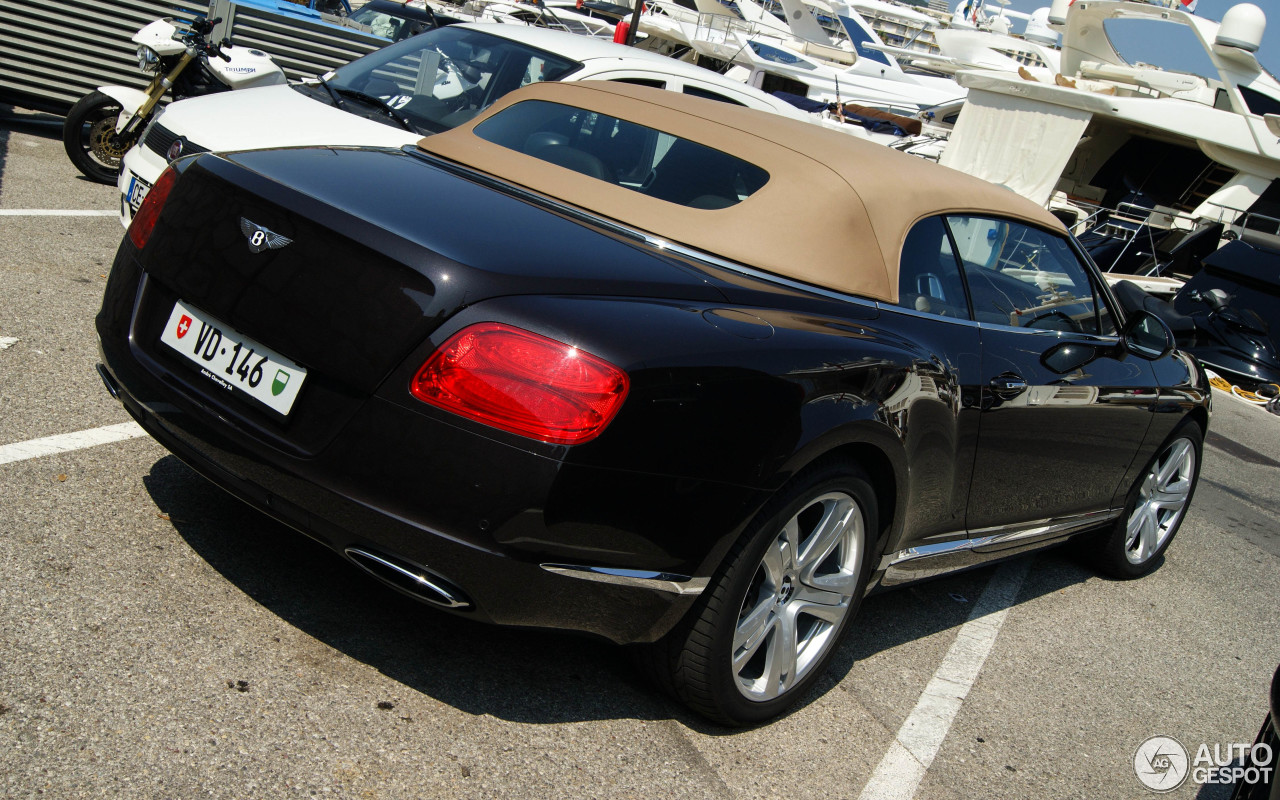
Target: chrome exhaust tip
409	578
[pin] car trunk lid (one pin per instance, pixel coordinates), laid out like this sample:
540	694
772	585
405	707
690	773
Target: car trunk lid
374	249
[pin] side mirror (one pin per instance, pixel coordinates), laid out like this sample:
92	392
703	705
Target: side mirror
1147	336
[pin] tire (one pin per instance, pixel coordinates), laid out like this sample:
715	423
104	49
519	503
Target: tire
88	135
1155	509
769	621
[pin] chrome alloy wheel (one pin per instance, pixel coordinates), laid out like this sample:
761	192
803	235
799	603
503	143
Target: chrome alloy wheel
1162	500
801	591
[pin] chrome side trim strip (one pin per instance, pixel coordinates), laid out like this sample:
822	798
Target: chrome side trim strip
743	269
911	312
1002	535
635	578
1087	338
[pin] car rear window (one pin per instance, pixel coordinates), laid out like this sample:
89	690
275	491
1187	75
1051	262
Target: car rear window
626	154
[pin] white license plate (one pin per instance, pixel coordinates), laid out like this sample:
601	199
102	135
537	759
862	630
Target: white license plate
138	189
232	360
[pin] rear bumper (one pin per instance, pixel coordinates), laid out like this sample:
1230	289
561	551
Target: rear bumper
517	537
494	583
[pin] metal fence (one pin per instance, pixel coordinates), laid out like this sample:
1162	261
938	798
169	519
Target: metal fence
53	52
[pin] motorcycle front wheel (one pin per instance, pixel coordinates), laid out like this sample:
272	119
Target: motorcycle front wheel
89	136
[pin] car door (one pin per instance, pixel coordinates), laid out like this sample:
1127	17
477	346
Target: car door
937	405
1064	408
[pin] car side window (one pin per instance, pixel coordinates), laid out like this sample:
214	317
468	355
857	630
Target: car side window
928	274
1027	278
698	91
650	82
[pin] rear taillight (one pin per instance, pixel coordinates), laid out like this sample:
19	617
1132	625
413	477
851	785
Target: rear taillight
145	220
523	383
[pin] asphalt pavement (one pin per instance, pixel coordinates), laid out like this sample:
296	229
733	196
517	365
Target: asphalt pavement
160	640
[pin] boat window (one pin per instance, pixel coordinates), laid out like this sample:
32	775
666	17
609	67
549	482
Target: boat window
779	56
626	154
1149	172
1158	43
861	37
1258	102
928	273
1027	278
770	84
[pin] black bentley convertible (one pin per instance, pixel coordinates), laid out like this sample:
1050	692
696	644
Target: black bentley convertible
682	375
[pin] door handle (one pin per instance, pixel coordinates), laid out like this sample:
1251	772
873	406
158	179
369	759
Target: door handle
1008	386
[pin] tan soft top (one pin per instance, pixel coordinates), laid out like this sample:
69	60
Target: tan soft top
834	213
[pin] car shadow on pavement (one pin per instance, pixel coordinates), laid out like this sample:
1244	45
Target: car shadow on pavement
537	677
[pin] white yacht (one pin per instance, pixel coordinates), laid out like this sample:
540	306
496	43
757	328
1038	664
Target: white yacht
990	43
799	55
517	12
1105	132
910	29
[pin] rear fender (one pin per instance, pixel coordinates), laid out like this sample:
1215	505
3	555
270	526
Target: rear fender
879	450
739	398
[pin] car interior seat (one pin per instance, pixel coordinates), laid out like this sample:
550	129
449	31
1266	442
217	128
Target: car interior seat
928	280
554	148
690	173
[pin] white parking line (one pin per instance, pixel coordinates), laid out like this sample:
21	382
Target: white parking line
53	212
921	735
66	442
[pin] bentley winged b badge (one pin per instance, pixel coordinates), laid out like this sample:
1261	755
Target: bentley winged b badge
260	238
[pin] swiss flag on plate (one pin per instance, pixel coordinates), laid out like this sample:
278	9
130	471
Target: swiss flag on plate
1189	5
184	325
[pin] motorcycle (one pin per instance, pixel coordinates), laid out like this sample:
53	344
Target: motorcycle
104	124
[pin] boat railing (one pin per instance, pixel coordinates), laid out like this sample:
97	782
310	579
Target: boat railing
1246	224
1258	222
720	29
1257	229
1125	220
541	16
1136	225
670	8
